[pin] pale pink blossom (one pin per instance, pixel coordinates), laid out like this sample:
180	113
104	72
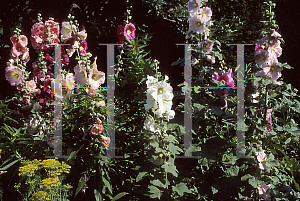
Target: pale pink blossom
105	141
205	14
273	70
227	77
14	75
129	31
211	58
53	28
66	31
275	50
96	78
31	86
80	74
275	33
197	24
264	192
82	35
194	5
26	57
70	81
261	158
97	128
262	57
207	46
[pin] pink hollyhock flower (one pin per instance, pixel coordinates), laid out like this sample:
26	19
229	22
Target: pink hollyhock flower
83	47
207	46
18	50
227	77
275	50
120	33
31	86
97	128
53	28
105	141
206	34
80	74
261	158
14	39
26	57
262	57
14	75
23	41
70	81
82	34
197	24
273	70
205	14
96	78
129	31
194	5
264	192
92	91
211	58
275	33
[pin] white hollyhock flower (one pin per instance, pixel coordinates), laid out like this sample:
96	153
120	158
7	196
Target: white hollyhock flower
150	81
151	102
164	103
150	125
160	89
170	114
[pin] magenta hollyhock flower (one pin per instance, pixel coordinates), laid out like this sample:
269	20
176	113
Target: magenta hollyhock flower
197	24
120	33
83	47
194	5
97	128
13	75
129	31
264	192
205	14
227	77
80	74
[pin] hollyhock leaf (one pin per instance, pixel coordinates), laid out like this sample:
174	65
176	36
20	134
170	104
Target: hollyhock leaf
119	196
217	110
140	176
181	188
170	167
174	149
156	193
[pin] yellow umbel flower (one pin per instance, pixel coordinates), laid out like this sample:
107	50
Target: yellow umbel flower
40	196
50	183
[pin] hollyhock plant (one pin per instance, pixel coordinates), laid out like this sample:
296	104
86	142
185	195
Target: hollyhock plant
261	158
66	30
271	69
264	192
129	31
97	128
14	75
197	24
205	14
80	74
194	5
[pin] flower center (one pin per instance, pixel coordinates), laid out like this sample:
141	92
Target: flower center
128	32
272	68
160	90
203	14
195	5
17	75
199	23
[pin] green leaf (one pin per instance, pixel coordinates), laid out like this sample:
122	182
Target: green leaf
73	154
181	189
9	165
170	167
81	184
119	196
156	193
174	149
98	196
107	184
158	183
217	110
140	176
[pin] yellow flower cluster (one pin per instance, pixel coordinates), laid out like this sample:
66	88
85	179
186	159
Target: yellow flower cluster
50	182
40	196
30	168
55	168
